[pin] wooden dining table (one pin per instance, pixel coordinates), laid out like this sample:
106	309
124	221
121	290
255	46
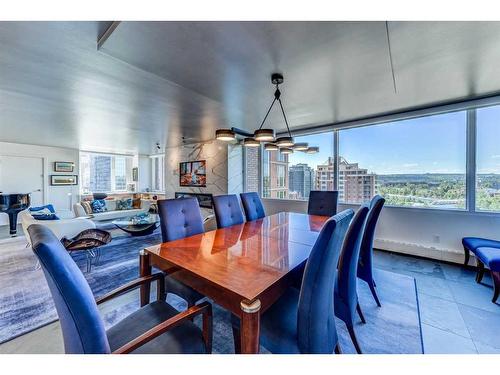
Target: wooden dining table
244	268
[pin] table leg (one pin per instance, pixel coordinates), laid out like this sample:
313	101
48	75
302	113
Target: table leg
250	326
145	270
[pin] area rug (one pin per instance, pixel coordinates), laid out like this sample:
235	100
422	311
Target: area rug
26	304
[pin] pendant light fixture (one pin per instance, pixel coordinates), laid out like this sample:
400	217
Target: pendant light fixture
284	144
312	150
271	147
302	146
251	142
286	150
225	135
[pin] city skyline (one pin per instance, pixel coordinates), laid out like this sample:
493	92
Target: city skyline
395	148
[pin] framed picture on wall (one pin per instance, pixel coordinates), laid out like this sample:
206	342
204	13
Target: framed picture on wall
64	166
63	180
193	173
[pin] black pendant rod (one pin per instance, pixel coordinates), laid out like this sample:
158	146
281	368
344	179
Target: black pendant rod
284	116
267	114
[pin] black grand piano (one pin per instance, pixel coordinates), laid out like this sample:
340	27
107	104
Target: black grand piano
12	204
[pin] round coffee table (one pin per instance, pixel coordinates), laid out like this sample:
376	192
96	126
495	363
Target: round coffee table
139	225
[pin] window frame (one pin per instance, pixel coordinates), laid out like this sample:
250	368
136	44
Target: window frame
470	147
128	174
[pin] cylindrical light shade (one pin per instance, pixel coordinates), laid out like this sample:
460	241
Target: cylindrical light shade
264	135
284	142
225	135
286	150
250	142
271	147
312	150
300	146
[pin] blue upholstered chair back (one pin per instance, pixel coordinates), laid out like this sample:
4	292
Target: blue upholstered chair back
227	210
366	251
82	327
348	262
253	206
179	218
322	203
316	317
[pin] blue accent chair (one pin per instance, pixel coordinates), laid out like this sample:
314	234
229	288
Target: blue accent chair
154	328
253	206
346	296
323	203
365	264
304	321
487	254
227	210
180	218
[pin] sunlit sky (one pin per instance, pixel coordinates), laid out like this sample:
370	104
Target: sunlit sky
433	144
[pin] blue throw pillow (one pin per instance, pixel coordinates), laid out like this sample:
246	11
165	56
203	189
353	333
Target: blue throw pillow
124	204
48	207
45	217
98	206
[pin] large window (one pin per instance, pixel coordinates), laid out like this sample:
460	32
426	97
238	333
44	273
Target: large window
275	175
418	162
488	159
105	173
446	160
308	172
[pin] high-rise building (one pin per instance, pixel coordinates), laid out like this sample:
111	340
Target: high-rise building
355	184
275	171
300	181
100	169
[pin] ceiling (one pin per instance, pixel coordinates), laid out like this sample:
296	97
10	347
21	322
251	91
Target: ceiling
161	81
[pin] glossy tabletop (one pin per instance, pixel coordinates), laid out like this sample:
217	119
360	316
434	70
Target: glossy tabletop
245	259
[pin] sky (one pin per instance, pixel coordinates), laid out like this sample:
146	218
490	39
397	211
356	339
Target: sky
432	144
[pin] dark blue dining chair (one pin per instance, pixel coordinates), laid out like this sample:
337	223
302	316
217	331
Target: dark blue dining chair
304	321
253	206
154	328
365	264
322	203
180	218
346	297
227	210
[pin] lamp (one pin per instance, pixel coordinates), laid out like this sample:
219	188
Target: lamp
250	142
225	135
285	143
264	135
271	147
302	146
312	150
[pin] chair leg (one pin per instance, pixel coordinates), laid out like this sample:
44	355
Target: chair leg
374	294
467	256
237	341
360	313
495	275
350	328
480	271
338	350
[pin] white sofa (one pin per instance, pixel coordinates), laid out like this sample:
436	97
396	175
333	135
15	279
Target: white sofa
62	228
112	213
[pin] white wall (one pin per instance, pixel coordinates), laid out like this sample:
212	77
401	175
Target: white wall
429	233
57	195
235	169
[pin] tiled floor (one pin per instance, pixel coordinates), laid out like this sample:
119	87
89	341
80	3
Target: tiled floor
457	313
